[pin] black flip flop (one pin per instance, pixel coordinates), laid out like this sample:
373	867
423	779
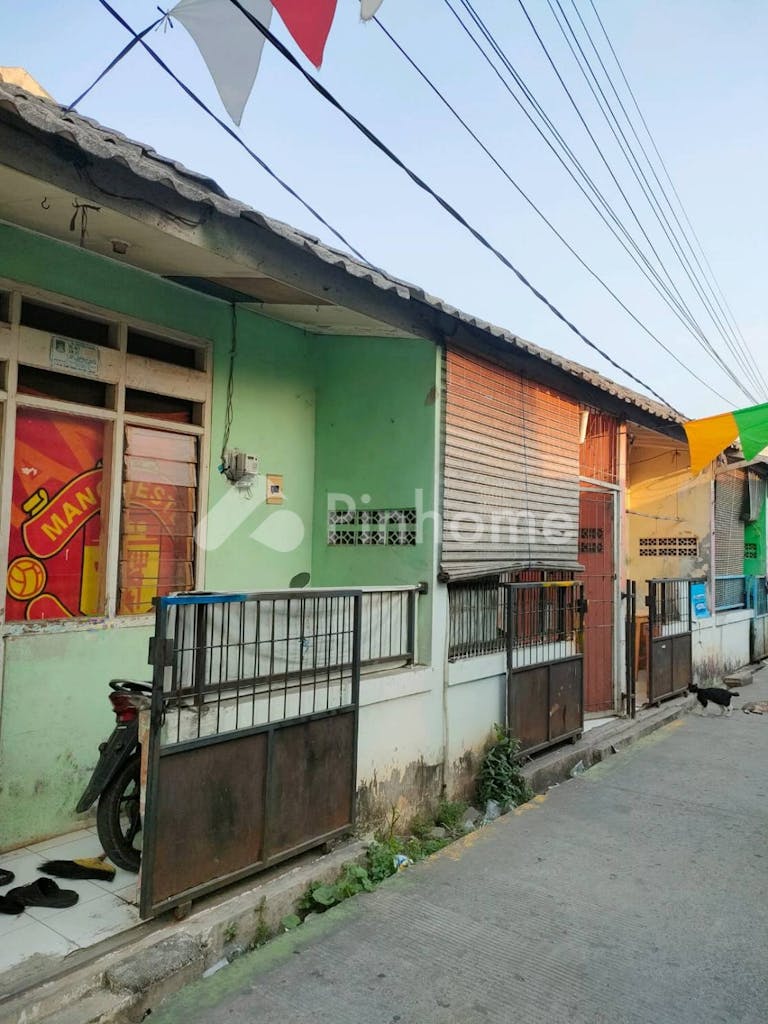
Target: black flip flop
11	905
6	877
44	893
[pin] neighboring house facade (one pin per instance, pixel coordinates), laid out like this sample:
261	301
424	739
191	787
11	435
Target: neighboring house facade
472	484
710	528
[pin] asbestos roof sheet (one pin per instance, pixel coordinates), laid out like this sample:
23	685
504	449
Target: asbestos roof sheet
49	118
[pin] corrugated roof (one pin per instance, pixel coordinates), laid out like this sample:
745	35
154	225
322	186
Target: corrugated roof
49	118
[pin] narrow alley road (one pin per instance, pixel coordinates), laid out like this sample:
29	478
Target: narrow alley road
635	894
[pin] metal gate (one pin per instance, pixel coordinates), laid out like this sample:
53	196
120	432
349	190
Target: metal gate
252	748
545	662
758	627
670	664
630	648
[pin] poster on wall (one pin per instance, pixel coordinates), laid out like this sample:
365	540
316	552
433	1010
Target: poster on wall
699	600
158	517
55	541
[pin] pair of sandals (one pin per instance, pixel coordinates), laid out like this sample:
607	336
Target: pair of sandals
43	892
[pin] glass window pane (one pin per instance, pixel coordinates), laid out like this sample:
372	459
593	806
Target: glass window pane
158	517
54	561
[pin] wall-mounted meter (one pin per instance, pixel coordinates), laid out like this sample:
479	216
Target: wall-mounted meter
240	468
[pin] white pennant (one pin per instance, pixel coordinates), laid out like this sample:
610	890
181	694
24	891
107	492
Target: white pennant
230	46
368	8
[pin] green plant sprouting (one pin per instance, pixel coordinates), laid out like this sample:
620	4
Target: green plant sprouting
500	777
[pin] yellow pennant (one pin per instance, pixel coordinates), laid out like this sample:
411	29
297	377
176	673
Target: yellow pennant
709	437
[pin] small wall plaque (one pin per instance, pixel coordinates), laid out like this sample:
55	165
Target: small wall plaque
76	356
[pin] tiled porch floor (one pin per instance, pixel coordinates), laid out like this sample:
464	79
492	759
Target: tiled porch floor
104	908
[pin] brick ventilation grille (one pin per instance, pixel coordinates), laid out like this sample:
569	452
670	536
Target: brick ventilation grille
367	527
654	547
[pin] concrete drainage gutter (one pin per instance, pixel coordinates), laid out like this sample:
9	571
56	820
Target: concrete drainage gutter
123	986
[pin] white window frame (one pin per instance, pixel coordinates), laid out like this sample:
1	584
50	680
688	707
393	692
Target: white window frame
120	370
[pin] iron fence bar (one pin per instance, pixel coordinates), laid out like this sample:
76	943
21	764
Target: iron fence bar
200	619
511	709
159	656
630	646
411	626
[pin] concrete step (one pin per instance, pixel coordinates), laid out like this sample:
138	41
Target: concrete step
124	983
102	1007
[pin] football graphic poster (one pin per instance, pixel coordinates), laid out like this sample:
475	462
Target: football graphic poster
55	541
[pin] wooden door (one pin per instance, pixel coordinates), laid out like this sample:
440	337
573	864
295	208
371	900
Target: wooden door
596	554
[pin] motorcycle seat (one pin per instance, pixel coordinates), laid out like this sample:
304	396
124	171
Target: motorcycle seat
129	684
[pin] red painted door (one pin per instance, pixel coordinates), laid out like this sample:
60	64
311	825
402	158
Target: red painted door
596	549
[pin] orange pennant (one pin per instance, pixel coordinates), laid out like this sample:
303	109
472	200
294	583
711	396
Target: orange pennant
709	437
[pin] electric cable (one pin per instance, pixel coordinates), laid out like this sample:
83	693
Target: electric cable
675	300
609	215
139	37
330	98
585	67
536	209
699	331
420	183
717	291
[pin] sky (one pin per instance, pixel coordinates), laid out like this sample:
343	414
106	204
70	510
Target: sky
697	68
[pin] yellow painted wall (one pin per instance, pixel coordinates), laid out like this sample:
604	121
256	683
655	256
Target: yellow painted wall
664	500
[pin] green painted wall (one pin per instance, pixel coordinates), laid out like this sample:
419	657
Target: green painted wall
358	415
377	433
274	418
55	713
755	533
54	699
59	267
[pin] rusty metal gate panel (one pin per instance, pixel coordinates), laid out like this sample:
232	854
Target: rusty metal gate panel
758	638
758	628
545	662
670	652
252	748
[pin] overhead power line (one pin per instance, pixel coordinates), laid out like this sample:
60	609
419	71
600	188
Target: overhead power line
138	37
694	275
581	178
717	292
418	181
697	329
536	209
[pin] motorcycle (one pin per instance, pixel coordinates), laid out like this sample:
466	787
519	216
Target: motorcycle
115	782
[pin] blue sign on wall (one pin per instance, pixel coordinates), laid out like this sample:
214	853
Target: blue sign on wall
699	600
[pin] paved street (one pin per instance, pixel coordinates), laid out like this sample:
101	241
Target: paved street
635	894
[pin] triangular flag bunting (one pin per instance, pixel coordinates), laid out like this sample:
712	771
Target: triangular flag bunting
708	437
309	22
753	429
229	45
368	8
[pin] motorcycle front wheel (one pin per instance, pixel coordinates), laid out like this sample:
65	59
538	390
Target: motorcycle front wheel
118	817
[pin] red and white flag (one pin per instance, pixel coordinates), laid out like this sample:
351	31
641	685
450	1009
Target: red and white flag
228	44
368	8
231	47
309	22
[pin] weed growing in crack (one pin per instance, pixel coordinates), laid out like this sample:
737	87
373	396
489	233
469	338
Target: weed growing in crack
500	777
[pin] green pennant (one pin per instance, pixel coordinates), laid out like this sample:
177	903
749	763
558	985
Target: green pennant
753	429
